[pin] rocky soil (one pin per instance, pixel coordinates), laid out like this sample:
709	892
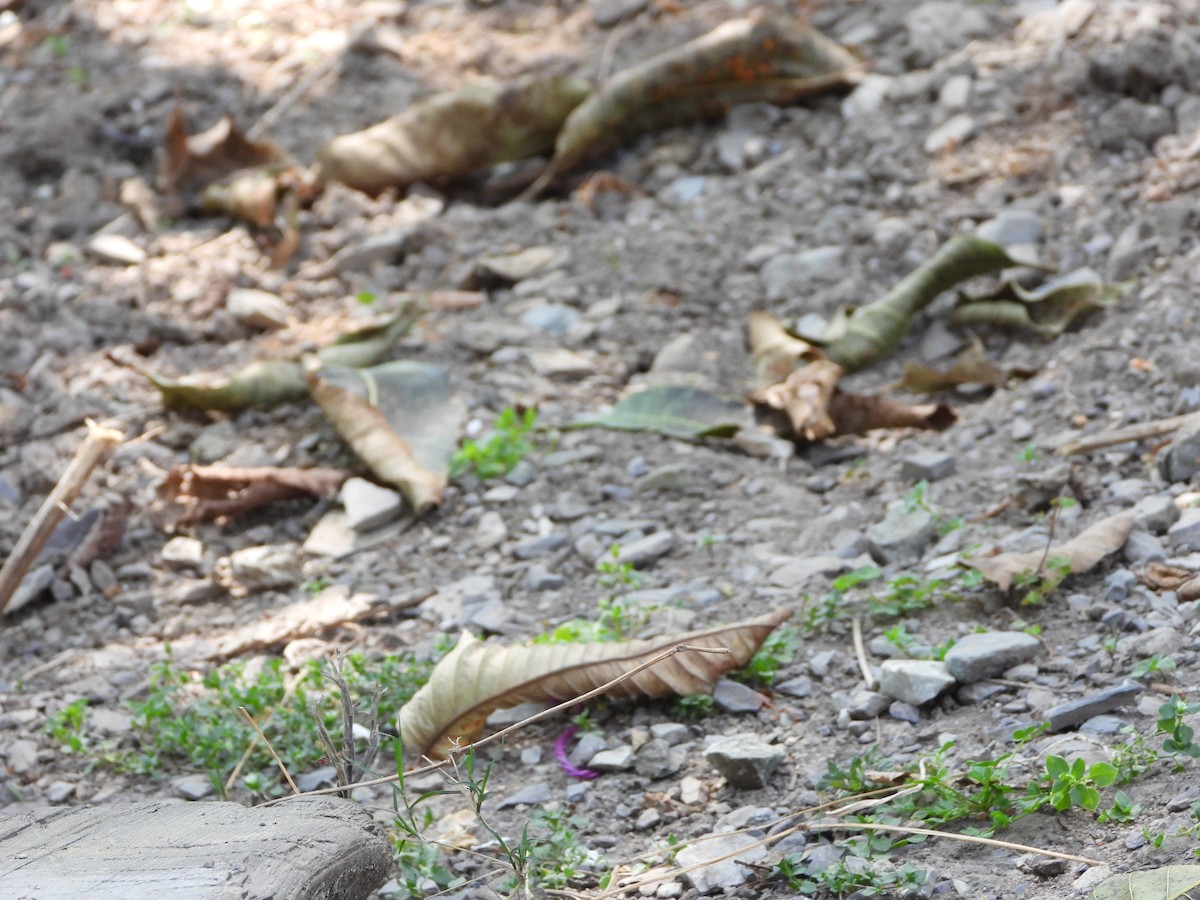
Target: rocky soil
1069	128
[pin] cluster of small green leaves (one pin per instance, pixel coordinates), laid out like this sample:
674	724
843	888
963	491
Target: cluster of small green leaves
918	498
779	649
853	874
899	596
508	444
617	619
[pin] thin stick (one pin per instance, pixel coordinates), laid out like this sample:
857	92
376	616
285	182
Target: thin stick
860	652
99	443
1122	435
278	761
536	717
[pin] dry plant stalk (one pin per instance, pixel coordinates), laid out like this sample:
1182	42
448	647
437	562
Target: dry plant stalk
1140	432
99	443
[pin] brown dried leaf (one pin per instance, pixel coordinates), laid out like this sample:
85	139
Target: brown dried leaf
1080	553
475	679
197	160
804	396
971	366
775	352
860	413
191	494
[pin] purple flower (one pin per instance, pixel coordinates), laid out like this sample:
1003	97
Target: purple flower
560	753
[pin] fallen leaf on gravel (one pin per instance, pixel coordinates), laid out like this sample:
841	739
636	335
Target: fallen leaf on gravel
775	352
676	411
401	418
453	134
859	338
804	397
192	162
1167	883
270	382
1048	310
1162	577
860	413
971	366
766	57
1080	553
475	679
191	494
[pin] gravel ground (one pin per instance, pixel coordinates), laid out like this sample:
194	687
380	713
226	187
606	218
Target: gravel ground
1069	129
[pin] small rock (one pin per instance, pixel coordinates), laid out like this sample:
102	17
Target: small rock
1129	120
364	255
675	477
59	791
501	493
868	98
735	697
492	615
618	759
799	687
1074	712
558	362
534	795
490	531
258	309
532	548
915	681
1184	799
647	818
21	756
867	705
905	712
607	13
521	475
193	787
956	93
539	578
1141	548
531	756
938	27
589	744
183	553
116	248
1104	725
691	791
745	760
658	759
1155	513
1181	461
927	465
324	777
552	318
979	656
950	134
684	190
331	536
369	506
646	551
721	874
1012	228
674	733
902	535
821	662
1185	533
261	568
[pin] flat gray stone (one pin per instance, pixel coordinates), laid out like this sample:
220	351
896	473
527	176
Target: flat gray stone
927	465
368	505
309	847
533	795
21	756
657	758
735	697
1186	532
902	535
1142	548
1012	227
867	704
1155	513
532	548
1075	712
1181	461
915	681
193	787
720	874
618	759
744	760
986	655
648	550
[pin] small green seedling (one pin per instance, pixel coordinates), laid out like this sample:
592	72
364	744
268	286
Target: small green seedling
1066	784
66	726
1155	665
500	453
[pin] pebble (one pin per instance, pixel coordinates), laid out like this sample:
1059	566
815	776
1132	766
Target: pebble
647	818
950	133
521	475
735	697
915	681
558	362
607	13
1185	533
1184	799
905	712
1141	548
798	687
1104	725
691	791
116	248
560	458
193	787
868	98
326	776
658	759
985	655
684	190
553	319
1075	712
927	465
867	704
646	551
59	791
1155	513
787	274
617	759
262	568
956	94
501	493
539	578
674	733
183	553
532	548
21	756
1181	461
368	505
532	795
490	531
1129	120
902	535
1012	227
978	692
744	760
258	309
717	861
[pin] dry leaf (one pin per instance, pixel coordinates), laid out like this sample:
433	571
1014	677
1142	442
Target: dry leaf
775	352
804	396
1165	883
475	679
766	57
860	413
191	494
401	418
1080	553
453	134
971	366
195	161
1048	310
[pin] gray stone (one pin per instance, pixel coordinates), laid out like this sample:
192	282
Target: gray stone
559	362
956	94
675	477
915	681
1181	461
684	190
1104	725
193	787
795	573
560	458
786	274
568	506
680	354
977	693
735	697
1156	513
979	656
255	569
1131	121
521	475
369	506
798	687
533	795
1012	227
539	578
364	255
902	535
744	760
1184	799
589	744
867	704
116	248
950	133
646	551
21	756
501	493
326	776
1141	548
618	759
258	309
905	712
674	733
183	553
490	531
532	548
492	615
1185	533
647	818
60	791
658	759
1117	585
552	318
821	662
927	465
1074	712
938	27
868	98
715	873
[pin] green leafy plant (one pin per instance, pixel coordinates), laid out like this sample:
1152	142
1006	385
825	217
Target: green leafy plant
366	298
695	706
67	727
827	609
1155	665
1123	809
1030	454
775	652
611	572
508	444
1066	784
1179	741
1038	585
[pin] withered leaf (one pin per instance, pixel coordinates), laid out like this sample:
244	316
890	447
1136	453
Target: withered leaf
1164	883
191	494
1079	554
195	161
401	418
453	134
971	366
475	679
673	410
860	413
805	397
774	351
1047	310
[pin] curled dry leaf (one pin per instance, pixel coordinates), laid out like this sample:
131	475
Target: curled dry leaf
401	418
766	57
192	162
1048	310
869	333
191	494
1080	553
971	366
475	679
860	413
453	134
804	396
774	351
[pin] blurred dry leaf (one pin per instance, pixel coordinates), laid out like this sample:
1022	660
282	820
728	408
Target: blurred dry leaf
677	411
401	418
1048	310
1080	553
192	494
804	396
860	413
774	351
194	161
475	679
1164	883
971	366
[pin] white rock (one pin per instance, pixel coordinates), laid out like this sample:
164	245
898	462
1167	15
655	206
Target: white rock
183	553
368	506
950	134
116	248
257	309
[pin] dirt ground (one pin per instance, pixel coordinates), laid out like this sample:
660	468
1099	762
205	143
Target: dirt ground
1074	123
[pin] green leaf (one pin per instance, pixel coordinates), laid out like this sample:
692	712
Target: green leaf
680	412
1104	774
1056	767
1048	310
1166	883
1085	796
